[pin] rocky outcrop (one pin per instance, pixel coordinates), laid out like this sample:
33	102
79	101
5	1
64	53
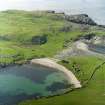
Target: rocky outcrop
93	39
88	36
99	40
81	19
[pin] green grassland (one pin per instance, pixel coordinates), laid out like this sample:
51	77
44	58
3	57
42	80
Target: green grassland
17	28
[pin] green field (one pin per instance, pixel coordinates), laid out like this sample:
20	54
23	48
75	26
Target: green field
18	28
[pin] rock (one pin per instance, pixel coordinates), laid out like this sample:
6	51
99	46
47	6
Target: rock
89	36
81	19
92	39
65	61
38	40
99	40
2	65
102	26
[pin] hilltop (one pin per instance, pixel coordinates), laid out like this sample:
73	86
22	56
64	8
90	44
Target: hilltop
25	35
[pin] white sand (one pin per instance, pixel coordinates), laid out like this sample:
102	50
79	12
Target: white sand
52	64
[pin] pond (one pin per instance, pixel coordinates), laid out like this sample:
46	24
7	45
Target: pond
97	48
19	83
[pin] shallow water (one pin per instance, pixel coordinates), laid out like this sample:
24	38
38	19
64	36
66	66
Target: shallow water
97	48
19	83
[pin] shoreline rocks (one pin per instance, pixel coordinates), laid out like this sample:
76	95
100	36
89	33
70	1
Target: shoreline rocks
81	19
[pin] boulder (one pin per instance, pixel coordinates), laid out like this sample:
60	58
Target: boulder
81	19
89	36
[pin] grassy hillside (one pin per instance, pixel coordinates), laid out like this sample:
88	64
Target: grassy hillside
18	28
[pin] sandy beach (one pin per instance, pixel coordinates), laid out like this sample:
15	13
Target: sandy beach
52	64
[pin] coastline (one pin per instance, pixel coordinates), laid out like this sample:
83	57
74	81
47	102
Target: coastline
52	64
80	45
78	48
